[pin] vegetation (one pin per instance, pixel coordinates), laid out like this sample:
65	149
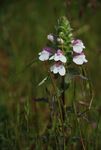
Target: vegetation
34	115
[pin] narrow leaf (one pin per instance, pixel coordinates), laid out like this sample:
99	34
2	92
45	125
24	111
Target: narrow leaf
43	81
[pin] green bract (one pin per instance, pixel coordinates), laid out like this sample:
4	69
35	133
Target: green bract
63	31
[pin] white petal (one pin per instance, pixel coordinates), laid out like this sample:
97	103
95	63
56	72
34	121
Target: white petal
44	57
81	44
72	41
78	60
63	59
56	57
77	49
62	70
51	68
54	69
51	58
85	60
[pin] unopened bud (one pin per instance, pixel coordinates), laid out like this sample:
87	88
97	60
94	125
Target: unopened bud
60	40
50	37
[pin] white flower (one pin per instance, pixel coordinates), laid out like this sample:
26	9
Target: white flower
58	56
50	37
60	40
58	68
80	59
78	46
44	55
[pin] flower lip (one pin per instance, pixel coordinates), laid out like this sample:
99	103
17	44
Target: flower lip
58	56
75	42
80	59
58	68
45	54
48	49
59	52
78	46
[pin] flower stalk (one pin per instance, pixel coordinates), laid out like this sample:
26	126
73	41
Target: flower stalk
61	52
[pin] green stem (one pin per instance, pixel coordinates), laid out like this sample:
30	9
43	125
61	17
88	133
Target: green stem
75	111
59	102
63	98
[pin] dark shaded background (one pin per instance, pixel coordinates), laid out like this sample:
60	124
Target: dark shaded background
24	26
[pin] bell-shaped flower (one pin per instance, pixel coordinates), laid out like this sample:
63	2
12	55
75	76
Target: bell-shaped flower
58	68
45	54
80	59
78	46
58	56
50	37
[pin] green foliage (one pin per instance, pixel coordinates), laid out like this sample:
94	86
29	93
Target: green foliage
63	30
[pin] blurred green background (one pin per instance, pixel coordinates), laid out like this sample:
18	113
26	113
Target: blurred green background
24	26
